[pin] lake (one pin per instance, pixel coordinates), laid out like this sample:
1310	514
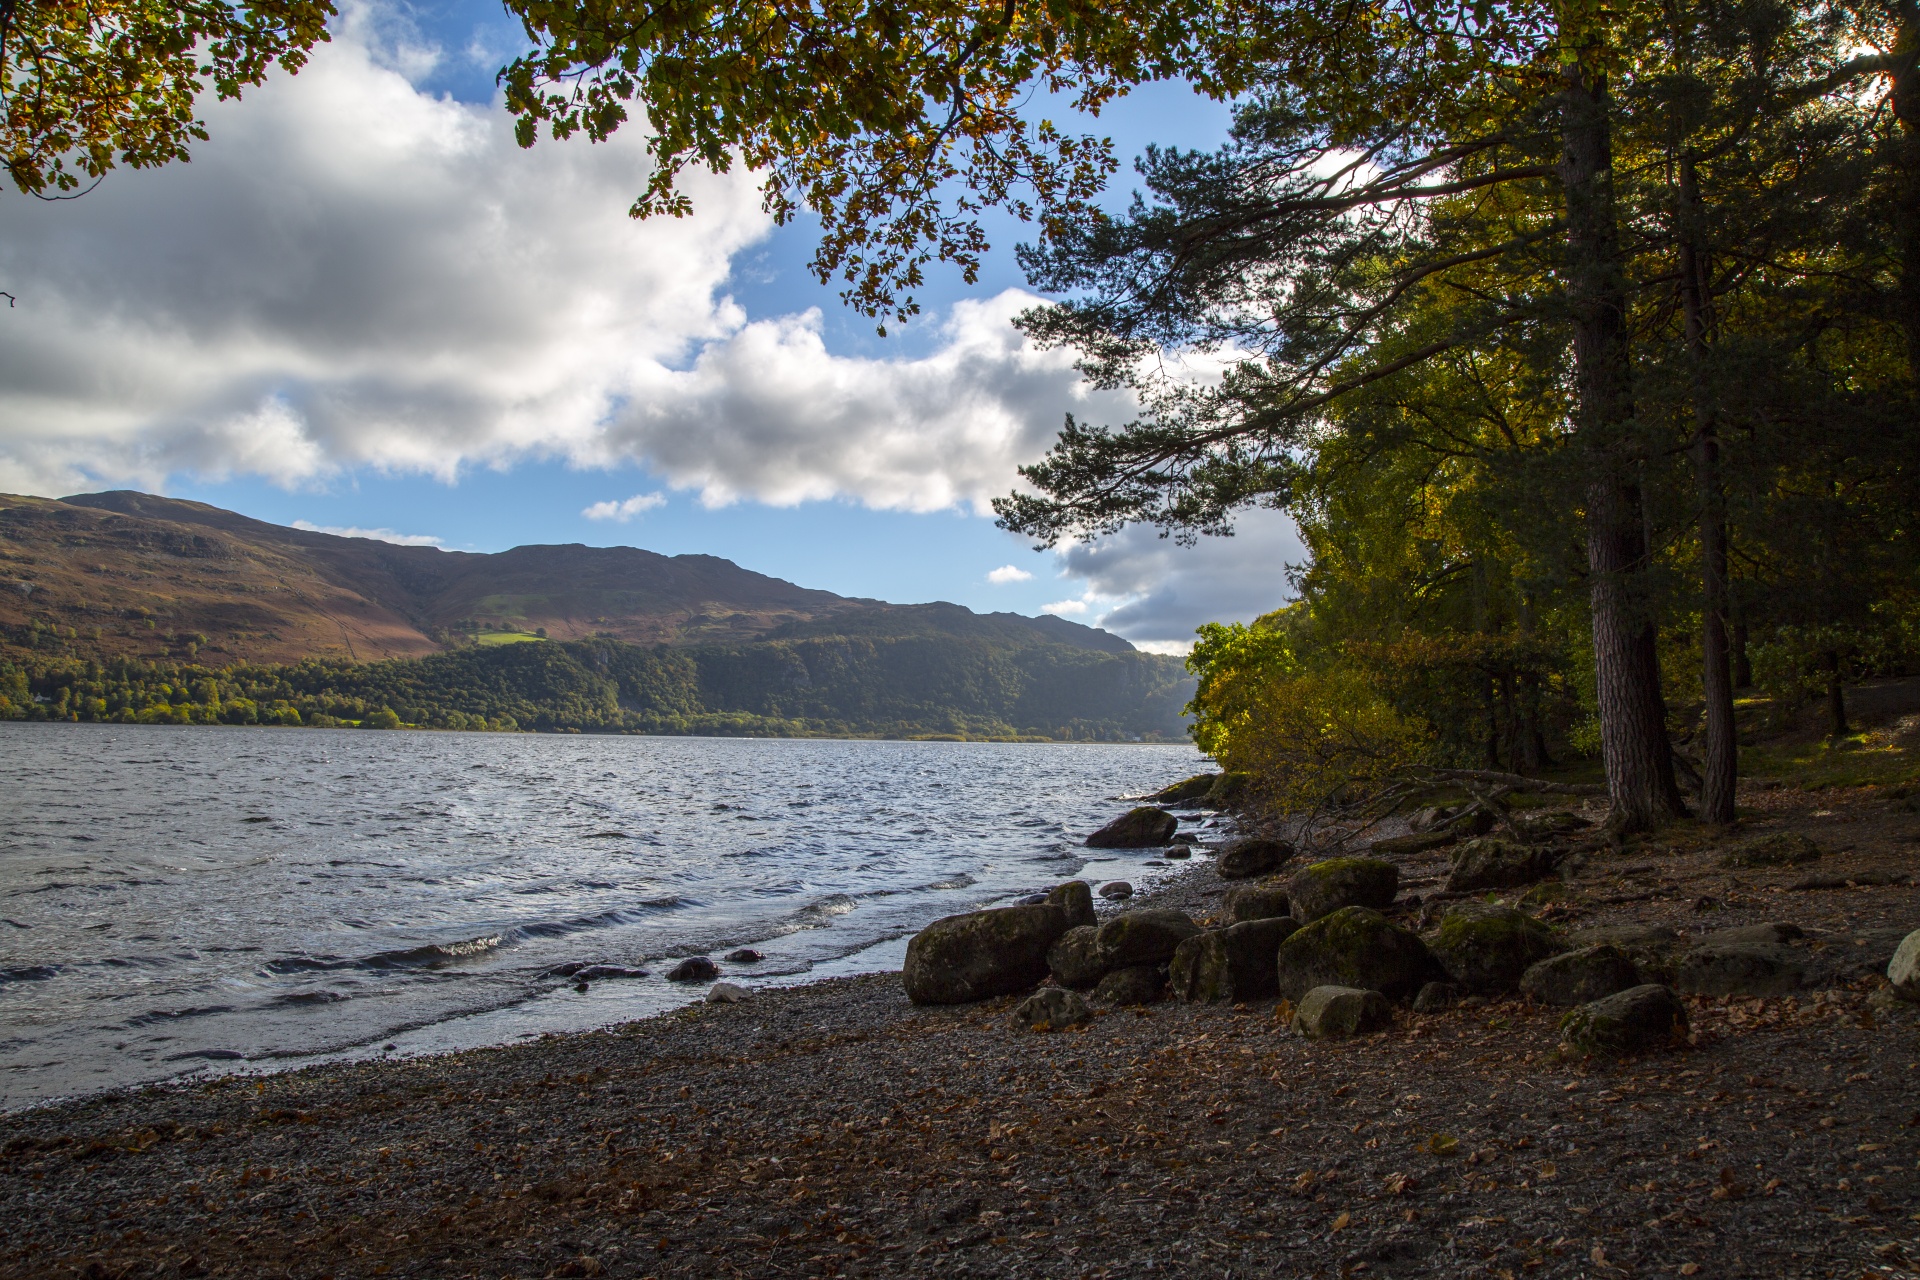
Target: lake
181	899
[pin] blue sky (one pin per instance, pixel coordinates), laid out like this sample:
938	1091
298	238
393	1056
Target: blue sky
361	309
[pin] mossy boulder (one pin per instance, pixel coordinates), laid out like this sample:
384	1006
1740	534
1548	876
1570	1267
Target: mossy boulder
1636	1020
1754	960
1492	863
1186	791
1144	937
1326	887
1780	850
1353	947
1486	948
1244	859
1579	977
1262	901
1228	789
1075	897
1328	1013
1234	963
1075	959
1135	984
1545	824
982	954
1142	828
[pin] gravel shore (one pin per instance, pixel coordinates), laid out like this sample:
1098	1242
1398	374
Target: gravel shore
837	1130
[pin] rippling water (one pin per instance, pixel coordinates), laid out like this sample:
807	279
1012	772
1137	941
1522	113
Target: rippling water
176	899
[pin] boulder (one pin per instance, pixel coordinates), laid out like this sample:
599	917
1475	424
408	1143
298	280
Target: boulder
1904	970
1330	1012
1178	850
1076	959
1052	1009
1578	977
1187	791
1780	850
1135	984
1227	788
1653	948
1491	863
1354	947
728	993
693	969
1075	898
1261	901
1752	961
1234	963
1486	948
1184	837
1326	887
981	954
1116	891
602	972
1436	997
745	955
1631	1021
1142	828
1144	937
1244	859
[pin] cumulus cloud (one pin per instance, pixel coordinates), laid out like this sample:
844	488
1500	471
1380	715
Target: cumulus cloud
378	535
638	504
1009	573
354	274
1067	608
1155	592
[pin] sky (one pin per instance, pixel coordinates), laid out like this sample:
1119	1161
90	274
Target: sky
361	308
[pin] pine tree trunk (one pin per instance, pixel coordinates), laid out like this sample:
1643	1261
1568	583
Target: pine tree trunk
1906	109
1633	731
1720	771
1836	698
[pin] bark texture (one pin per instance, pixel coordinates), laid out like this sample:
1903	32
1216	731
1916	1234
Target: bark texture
1633	731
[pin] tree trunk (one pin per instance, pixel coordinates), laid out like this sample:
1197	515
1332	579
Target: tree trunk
1906	109
1720	752
1836	698
1633	730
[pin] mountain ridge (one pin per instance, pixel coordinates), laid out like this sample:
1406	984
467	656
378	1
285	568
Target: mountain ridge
136	574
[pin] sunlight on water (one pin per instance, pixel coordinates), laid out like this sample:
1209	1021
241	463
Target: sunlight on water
180	899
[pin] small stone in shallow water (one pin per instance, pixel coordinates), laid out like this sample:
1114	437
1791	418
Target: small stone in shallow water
1116	889
728	993
1179	851
693	969
601	972
1033	900
745	955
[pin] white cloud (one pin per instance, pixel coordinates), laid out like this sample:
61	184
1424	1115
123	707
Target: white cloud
1155	592
1009	573
378	535
638	504
1064	608
355	274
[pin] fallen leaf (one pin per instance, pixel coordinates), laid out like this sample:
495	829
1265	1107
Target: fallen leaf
1689	1268
1342	1222
1443	1144
1399	1184
1599	1256
1548	1169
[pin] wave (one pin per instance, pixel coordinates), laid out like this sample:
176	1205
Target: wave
432	956
31	973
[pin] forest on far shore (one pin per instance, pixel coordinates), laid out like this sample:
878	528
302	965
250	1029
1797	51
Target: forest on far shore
865	686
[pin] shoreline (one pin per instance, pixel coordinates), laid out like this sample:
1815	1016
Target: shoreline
834	1128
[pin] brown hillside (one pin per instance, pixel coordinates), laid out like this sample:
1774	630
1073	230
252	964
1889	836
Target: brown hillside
131	573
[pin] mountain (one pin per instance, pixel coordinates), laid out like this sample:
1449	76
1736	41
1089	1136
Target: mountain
130	608
139	575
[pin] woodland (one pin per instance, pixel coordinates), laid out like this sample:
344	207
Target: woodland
918	685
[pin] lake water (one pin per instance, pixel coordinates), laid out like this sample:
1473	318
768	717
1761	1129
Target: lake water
181	899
